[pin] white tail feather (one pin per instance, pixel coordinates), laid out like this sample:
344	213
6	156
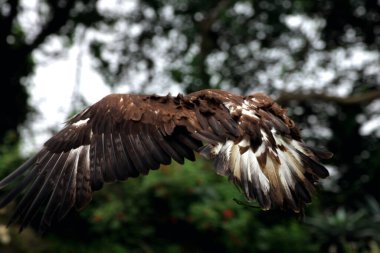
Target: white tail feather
274	173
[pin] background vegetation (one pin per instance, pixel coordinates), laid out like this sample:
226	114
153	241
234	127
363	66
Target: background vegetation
319	58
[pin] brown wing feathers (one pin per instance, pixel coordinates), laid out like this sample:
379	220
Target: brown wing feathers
251	139
268	161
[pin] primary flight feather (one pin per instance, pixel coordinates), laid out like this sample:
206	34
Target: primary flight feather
250	138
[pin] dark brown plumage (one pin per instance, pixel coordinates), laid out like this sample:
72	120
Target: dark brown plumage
250	139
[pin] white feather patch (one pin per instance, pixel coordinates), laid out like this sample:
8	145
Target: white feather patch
232	107
235	161
225	154
74	156
248	109
249	112
75	153
286	179
250	163
244	143
291	156
261	149
246	161
216	149
290	164
227	147
264	134
80	122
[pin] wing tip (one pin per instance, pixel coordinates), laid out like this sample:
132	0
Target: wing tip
284	179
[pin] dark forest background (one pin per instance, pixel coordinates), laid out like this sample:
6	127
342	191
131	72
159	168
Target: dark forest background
319	58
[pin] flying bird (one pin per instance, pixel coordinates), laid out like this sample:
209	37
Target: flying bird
251	140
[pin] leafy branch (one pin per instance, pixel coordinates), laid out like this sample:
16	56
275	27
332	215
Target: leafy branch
357	99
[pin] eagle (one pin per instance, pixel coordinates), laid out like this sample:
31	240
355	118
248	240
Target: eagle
251	140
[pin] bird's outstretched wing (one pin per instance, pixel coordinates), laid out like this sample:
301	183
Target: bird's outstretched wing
269	161
251	139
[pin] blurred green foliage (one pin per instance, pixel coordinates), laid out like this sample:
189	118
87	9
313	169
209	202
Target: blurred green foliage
175	209
190	209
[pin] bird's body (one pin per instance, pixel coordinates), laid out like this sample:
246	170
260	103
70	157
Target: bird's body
250	139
